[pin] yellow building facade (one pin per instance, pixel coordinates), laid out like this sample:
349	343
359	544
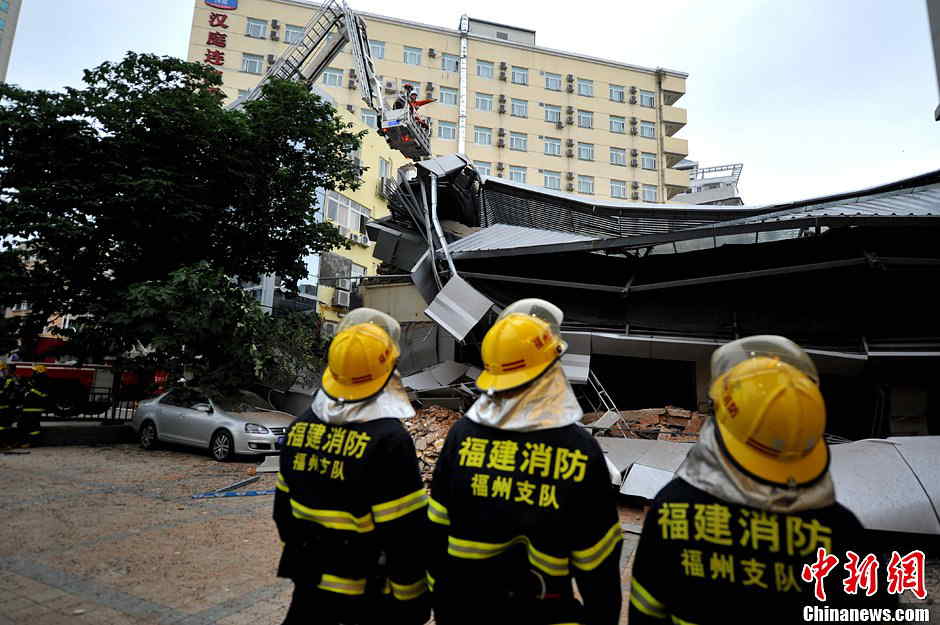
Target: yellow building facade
219	38
561	120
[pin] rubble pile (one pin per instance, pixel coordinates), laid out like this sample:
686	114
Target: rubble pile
666	424
429	428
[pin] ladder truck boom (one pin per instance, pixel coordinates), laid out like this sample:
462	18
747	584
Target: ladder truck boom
305	61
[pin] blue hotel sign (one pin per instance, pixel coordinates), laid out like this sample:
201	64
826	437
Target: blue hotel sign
226	5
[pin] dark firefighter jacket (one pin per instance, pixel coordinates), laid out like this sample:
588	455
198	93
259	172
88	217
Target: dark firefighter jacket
348	496
515	516
701	560
36	395
9	398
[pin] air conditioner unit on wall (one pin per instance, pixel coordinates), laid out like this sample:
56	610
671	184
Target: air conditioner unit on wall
634	152
502	108
503	65
570	120
501	132
633	163
570	187
569	176
635	184
343	284
633	99
501	143
352	84
432	52
500	167
636	195
350	108
502	99
502	76
569	143
570	89
559	125
341	299
634	131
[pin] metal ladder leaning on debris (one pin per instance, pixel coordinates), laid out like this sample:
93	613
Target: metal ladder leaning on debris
305	61
611	416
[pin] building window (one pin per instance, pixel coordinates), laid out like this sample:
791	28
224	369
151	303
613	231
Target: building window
616	93
618	188
450	62
520	108
369	118
293	34
520	75
414	84
552	113
328	329
252	63
649	193
618	156
484	102
552	179
501	35
448	96
648	160
482	136
446	130
617	124
585	184
586	151
517	174
484	69
377	49
585	119
552	146
348	215
483	168
385	168
648	130
553	81
647	98
256	28
332	77
4	5
519	141
586	87
412	56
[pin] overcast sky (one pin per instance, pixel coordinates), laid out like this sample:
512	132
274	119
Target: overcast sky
813	96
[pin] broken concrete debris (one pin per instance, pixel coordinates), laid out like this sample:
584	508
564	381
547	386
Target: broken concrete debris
429	428
665	424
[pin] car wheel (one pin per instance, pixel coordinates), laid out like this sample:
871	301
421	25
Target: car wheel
222	446
148	435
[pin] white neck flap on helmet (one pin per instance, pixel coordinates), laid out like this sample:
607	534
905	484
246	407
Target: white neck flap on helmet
391	403
545	404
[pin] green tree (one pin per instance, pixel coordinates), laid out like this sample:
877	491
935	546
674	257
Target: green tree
199	322
143	172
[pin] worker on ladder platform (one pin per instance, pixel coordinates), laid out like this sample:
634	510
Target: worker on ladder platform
733	537
35	403
350	504
521	498
9	401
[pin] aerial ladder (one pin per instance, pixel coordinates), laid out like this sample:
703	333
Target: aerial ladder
332	27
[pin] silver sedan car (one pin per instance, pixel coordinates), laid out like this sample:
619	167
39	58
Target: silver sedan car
243	424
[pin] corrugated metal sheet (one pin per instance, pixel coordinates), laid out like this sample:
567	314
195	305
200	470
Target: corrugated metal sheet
504	236
458	307
917	202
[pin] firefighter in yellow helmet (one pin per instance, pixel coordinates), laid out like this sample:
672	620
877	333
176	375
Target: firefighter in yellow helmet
726	540
350	504
521	498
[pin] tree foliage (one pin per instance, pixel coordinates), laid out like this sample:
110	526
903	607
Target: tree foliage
142	173
198	322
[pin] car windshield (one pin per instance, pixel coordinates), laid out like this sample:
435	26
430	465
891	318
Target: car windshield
242	401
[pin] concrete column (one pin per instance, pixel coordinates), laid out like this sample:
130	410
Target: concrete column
702	379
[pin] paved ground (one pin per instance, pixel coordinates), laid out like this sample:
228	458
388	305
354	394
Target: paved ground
111	535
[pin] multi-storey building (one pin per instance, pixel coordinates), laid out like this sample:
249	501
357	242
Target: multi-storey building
9	16
716	185
535	115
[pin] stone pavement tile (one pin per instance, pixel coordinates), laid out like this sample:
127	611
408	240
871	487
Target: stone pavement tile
49	594
28	613
13	604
